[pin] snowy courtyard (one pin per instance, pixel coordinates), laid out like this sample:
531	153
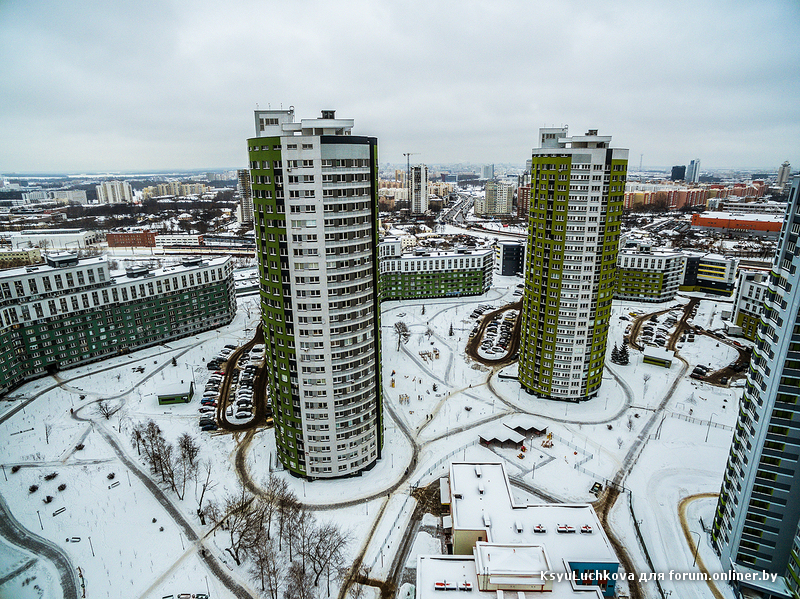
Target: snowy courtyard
128	543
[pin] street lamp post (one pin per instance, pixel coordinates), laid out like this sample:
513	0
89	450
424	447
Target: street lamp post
696	548
708	430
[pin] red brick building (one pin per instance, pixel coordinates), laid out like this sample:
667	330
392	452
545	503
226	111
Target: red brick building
131	239
523	200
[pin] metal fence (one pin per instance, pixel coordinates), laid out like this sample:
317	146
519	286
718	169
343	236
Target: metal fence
699	421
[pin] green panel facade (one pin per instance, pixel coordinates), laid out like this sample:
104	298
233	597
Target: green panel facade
73	324
576	200
314	190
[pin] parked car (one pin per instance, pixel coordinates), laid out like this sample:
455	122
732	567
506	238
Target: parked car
244	414
209	427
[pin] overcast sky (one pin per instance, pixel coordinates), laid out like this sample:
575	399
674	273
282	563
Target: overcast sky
172	84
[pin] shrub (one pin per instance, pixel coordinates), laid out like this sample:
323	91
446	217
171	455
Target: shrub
33	488
51	476
62	486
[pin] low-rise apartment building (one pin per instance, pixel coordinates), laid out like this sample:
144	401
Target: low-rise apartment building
649	274
709	273
432	273
73	311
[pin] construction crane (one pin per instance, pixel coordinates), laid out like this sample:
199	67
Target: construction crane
408	156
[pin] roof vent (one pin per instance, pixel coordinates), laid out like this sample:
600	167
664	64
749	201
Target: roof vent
478	471
486	521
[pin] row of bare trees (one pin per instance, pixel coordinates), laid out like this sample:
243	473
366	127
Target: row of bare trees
283	544
286	546
175	464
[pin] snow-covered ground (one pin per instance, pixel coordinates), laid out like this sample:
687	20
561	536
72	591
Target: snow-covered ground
445	402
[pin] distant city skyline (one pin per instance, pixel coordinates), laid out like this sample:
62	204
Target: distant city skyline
672	82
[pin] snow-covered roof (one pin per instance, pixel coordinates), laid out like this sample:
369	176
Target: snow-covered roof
501	433
526	422
175	388
460	569
659	353
481	494
119	277
751	216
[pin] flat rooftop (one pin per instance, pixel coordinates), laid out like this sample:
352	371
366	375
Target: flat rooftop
749	216
485	502
460	569
46	268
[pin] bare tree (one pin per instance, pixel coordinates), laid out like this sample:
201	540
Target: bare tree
328	552
188	447
236	516
275	488
206	485
299	583
106	409
150	440
48	428
402	332
288	506
429	333
302	535
267	567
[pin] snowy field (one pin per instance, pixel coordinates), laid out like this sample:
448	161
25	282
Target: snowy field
433	393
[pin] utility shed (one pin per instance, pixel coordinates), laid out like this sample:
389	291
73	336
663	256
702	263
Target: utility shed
176	393
658	356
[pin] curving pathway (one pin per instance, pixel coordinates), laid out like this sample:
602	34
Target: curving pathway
209	559
16	534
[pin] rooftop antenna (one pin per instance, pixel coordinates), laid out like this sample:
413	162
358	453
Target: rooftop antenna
641	156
